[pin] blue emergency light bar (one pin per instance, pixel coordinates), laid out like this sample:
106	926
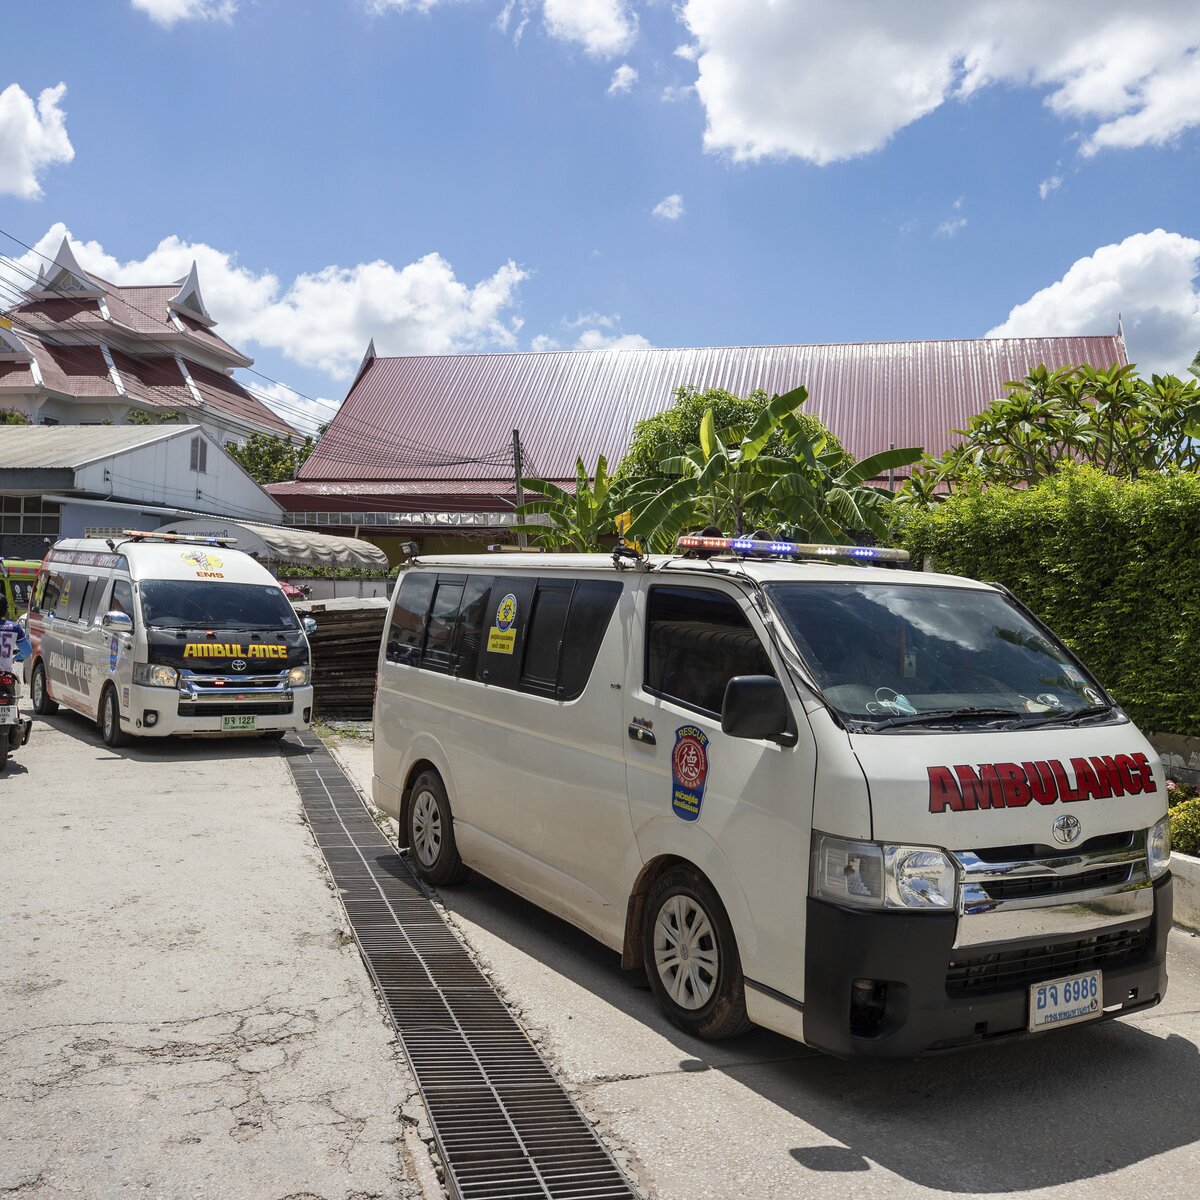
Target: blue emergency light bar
759	547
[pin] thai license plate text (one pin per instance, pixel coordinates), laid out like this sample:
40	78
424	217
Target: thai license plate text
230	723
1065	1001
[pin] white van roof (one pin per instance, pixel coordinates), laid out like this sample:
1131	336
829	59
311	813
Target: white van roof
763	570
159	558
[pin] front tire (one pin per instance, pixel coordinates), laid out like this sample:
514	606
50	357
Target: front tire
39	692
430	829
110	721
691	956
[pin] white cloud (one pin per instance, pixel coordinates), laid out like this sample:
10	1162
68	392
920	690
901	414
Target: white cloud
826	80
951	227
324	320
624	77
168	12
1051	184
604	28
596	331
596	339
670	208
305	413
31	139
675	93
1149	279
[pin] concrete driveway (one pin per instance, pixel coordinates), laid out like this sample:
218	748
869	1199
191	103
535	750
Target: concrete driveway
1105	1111
179	1016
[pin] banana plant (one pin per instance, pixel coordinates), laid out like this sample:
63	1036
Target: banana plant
573	522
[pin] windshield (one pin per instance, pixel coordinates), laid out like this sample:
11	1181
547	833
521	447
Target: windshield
883	654
184	604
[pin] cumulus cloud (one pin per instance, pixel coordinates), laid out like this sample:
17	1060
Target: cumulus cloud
1149	279
826	80
624	77
604	28
670	208
597	339
168	12
323	320
1048	185
593	331
31	139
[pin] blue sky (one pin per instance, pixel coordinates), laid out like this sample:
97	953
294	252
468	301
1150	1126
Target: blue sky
447	175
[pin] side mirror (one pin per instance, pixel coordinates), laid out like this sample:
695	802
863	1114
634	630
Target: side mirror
116	622
310	626
755	707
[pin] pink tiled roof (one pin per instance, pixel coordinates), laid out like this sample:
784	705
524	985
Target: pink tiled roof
228	396
418	418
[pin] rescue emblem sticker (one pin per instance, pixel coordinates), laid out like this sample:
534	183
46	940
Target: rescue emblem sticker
207	566
502	637
689	771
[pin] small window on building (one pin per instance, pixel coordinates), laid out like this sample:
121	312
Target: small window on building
696	641
199	455
407	630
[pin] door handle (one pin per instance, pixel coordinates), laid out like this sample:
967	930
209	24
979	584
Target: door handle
639	733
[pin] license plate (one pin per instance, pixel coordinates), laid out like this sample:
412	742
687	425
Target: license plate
8	714
1066	1001
231	723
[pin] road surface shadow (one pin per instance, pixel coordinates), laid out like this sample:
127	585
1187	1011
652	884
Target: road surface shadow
1042	1112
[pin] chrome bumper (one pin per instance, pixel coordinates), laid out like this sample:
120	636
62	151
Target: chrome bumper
197	691
1062	901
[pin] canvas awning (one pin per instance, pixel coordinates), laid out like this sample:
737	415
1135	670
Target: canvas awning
273	543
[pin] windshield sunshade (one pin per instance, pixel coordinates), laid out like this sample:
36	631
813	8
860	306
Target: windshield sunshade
184	604
885	654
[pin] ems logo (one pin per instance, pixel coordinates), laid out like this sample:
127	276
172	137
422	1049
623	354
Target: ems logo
506	614
689	771
1067	829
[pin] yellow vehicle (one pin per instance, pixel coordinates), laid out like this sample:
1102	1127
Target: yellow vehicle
17	577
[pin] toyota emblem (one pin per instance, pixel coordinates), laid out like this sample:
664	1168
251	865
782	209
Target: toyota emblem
1067	829
239	664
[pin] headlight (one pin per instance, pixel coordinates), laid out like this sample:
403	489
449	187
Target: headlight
1158	847
154	675
870	875
298	676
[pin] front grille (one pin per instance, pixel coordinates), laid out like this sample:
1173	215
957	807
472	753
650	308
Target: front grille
272	708
1003	970
1056	885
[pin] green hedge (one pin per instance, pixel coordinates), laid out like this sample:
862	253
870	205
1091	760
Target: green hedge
1113	566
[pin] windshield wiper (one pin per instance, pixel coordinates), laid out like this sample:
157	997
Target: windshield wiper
937	716
1075	714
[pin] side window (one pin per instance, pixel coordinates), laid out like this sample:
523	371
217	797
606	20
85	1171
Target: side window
470	624
439	631
544	639
122	599
53	597
74	597
505	620
89	599
591	612
407	630
696	641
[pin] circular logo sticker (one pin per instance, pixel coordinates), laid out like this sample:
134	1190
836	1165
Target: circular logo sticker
690	761
506	614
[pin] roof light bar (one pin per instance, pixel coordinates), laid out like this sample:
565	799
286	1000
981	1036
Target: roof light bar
193	539
769	549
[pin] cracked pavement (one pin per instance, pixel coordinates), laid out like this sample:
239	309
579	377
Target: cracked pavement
179	1016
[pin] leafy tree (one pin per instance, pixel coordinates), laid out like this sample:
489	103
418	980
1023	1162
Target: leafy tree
1120	424
731	480
14	416
270	458
670	432
166	416
574	522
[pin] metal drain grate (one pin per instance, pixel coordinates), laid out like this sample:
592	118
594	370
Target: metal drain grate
505	1127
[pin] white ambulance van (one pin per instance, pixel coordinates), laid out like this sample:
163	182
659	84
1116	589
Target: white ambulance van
158	634
881	811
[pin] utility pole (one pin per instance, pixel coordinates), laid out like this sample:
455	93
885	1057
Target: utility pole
522	540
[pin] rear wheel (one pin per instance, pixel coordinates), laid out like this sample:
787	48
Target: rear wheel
431	832
691	956
39	693
110	721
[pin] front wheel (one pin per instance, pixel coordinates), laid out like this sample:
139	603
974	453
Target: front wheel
691	956
39	693
431	832
110	721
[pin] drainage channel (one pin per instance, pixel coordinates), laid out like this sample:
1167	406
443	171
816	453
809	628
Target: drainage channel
504	1126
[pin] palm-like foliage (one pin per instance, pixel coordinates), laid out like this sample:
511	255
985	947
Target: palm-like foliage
573	522
729	480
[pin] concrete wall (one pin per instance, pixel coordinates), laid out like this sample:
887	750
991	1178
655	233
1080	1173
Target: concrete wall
1180	756
79	516
1186	871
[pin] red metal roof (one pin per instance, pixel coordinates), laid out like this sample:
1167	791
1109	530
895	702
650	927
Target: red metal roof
419	418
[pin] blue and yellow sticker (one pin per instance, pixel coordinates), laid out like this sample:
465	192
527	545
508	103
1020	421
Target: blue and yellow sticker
689	771
502	637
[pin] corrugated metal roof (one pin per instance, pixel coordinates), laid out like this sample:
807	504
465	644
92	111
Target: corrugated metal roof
69	446
412	418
